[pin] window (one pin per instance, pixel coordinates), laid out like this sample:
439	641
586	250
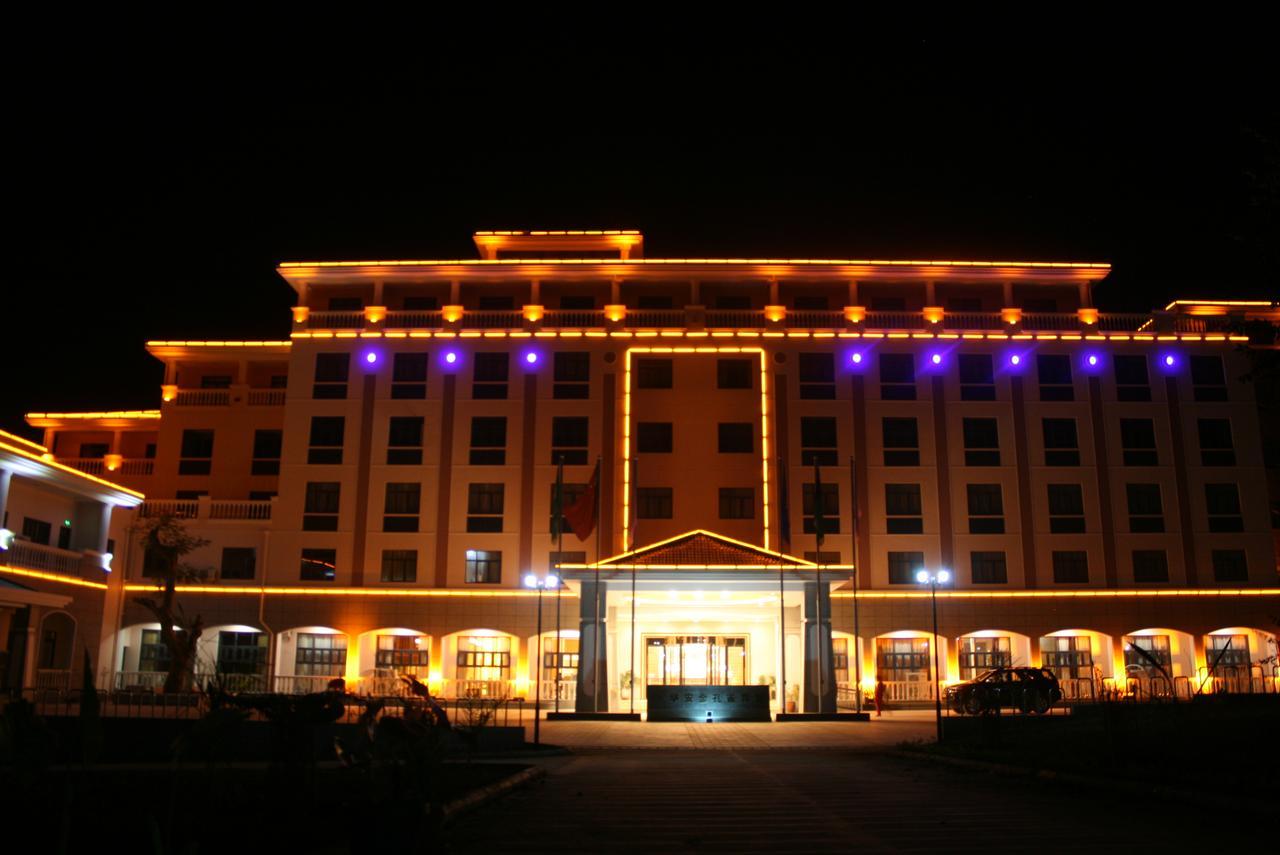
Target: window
1216	448
404	654
830	505
401	506
888	304
903	567
737	503
320	655
331	375
654	301
1071	566
190	495
1138	439
735	438
1069	657
986	509
242	652
653	503
484	567
489	376
578	302
409	375
237	562
484	507
901	442
981	442
215	381
653	373
733	301
1222	501
318	565
496	303
488	441
1208	382
572	376
197	452
817	441
569	440
421	304
325	444
988	568
569	495
898	376
901	660
1230	565
266	452
321	509
484	658
279	381
1147	655
1150	565
1132	381
810	303
1146	514
258	496
982	653
150	451
404	440
94	450
653	437
153	654
1040	305
733	374
64	536
345	304
902	508
977	379
1055	377
399	565
36	531
1061	447
817	376
1225	653
1066	509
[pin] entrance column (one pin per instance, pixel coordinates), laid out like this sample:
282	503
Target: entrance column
819	658
593	695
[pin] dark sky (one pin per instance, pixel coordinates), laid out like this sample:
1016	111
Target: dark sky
156	190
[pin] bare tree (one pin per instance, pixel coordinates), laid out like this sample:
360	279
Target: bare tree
165	541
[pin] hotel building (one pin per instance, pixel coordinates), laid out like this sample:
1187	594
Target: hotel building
376	486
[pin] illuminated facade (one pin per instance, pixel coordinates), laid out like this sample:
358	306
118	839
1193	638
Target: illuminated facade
377	486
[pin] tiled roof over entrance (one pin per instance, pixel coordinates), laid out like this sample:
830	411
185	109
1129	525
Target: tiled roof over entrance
704	549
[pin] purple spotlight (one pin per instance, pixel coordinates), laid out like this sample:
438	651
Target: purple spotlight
531	358
1015	360
371	357
856	358
936	359
1169	360
451	357
1093	360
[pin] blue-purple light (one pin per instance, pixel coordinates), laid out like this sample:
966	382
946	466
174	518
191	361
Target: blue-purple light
531	358
936	359
856	358
1015	360
1170	360
371	357
1093	360
451	357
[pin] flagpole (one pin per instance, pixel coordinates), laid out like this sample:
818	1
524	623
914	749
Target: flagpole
782	605
559	586
820	520
857	635
635	510
595	682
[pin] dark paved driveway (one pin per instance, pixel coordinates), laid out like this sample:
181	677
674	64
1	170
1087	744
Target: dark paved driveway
838	801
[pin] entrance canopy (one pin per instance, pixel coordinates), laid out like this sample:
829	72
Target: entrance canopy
700	554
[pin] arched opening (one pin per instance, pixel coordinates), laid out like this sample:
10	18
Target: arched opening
308	658
558	680
385	656
905	663
847	656
142	658
478	663
985	649
1082	660
57	646
1239	660
1157	662
233	655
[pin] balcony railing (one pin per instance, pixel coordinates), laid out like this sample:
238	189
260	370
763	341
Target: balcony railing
266	397
97	466
699	317
37	556
205	508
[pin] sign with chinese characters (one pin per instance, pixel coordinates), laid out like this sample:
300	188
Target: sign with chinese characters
708	703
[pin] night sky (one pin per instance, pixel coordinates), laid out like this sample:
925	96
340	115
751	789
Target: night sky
157	193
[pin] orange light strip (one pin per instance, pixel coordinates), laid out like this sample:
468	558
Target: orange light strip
485	262
671	333
559	232
605	562
247	590
33	446
763	568
53	577
626	427
977	595
107	414
219	344
45	459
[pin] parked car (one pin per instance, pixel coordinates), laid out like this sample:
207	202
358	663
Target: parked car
1031	690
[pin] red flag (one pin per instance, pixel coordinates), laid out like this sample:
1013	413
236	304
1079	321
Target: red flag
581	515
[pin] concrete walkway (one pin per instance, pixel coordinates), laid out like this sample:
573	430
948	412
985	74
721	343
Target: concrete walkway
834	801
892	729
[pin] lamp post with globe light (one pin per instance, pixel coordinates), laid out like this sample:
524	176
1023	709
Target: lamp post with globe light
933	580
552	582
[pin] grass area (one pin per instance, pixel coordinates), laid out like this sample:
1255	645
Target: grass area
1225	746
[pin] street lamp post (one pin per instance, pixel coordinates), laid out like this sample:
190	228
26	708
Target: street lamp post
933	580
532	581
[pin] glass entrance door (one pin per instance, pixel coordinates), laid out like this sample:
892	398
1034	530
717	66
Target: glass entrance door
696	660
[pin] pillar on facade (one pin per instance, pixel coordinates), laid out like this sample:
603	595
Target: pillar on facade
5	477
593	658
819	659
